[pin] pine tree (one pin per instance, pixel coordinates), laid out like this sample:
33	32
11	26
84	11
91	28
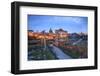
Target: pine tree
50	31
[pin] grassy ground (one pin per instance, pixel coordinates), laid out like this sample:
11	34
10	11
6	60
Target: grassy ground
37	53
75	51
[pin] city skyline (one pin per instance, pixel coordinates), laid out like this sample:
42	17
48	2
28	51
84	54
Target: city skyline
68	23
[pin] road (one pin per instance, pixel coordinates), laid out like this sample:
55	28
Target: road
59	53
74	43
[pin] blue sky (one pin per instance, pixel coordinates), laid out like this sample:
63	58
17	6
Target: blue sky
71	24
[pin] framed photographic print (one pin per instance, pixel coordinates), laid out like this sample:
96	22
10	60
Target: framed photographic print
52	37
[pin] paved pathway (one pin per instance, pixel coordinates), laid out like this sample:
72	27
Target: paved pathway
59	53
74	43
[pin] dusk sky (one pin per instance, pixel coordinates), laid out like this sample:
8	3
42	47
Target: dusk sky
71	24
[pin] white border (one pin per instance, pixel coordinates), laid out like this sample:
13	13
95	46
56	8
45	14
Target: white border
26	65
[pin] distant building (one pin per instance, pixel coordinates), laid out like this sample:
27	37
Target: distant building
30	34
30	31
84	36
77	36
43	32
61	36
74	36
61	33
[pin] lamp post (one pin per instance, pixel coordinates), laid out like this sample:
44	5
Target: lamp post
44	42
43	39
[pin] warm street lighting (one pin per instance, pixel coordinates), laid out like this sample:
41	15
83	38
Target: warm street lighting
30	34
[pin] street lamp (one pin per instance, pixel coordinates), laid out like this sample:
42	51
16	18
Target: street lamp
43	40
